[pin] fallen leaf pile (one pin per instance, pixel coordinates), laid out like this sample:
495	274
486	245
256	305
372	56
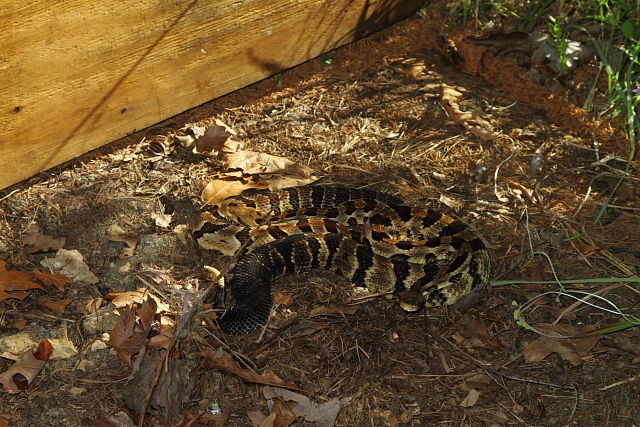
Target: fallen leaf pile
243	170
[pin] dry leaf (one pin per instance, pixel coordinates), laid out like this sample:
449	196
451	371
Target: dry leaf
70	264
269	421
587	249
282	299
222	360
18	324
122	299
476	334
62	348
57	307
117	234
234	183
120	419
323	414
28	365
454	203
164	337
217	138
38	242
15	284
471	399
284	415
162	220
416	69
130	333
158	276
569	349
93	305
51	282
257	418
277	182
472	121
252	163
219	189
517	187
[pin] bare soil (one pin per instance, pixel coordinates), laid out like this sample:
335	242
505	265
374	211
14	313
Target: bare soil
372	117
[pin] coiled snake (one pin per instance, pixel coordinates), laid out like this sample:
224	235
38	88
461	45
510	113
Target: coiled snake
371	238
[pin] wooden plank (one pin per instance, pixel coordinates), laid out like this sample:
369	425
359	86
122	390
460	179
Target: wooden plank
75	75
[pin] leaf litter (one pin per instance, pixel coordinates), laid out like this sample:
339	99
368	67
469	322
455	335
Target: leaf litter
373	118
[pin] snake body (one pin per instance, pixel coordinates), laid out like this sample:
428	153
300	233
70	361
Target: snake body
371	238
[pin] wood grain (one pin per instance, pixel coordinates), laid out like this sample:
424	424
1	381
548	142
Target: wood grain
78	74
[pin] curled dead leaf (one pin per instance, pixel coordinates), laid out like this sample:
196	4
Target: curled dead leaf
475	334
123	299
414	68
587	249
51	282
164	337
27	365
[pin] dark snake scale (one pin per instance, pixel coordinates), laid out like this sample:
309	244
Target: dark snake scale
371	238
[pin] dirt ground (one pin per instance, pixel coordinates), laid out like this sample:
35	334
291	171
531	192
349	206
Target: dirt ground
464	130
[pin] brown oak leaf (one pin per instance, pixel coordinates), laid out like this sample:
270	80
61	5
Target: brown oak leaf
130	333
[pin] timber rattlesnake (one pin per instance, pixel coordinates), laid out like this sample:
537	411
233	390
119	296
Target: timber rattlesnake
369	237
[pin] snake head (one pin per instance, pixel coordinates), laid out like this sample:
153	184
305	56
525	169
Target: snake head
411	300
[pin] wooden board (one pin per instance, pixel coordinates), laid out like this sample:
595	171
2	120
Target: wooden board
78	74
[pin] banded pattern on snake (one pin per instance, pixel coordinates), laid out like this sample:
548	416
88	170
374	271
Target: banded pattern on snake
371	238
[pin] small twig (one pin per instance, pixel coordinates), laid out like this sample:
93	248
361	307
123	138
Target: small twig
9	195
495	175
622	382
